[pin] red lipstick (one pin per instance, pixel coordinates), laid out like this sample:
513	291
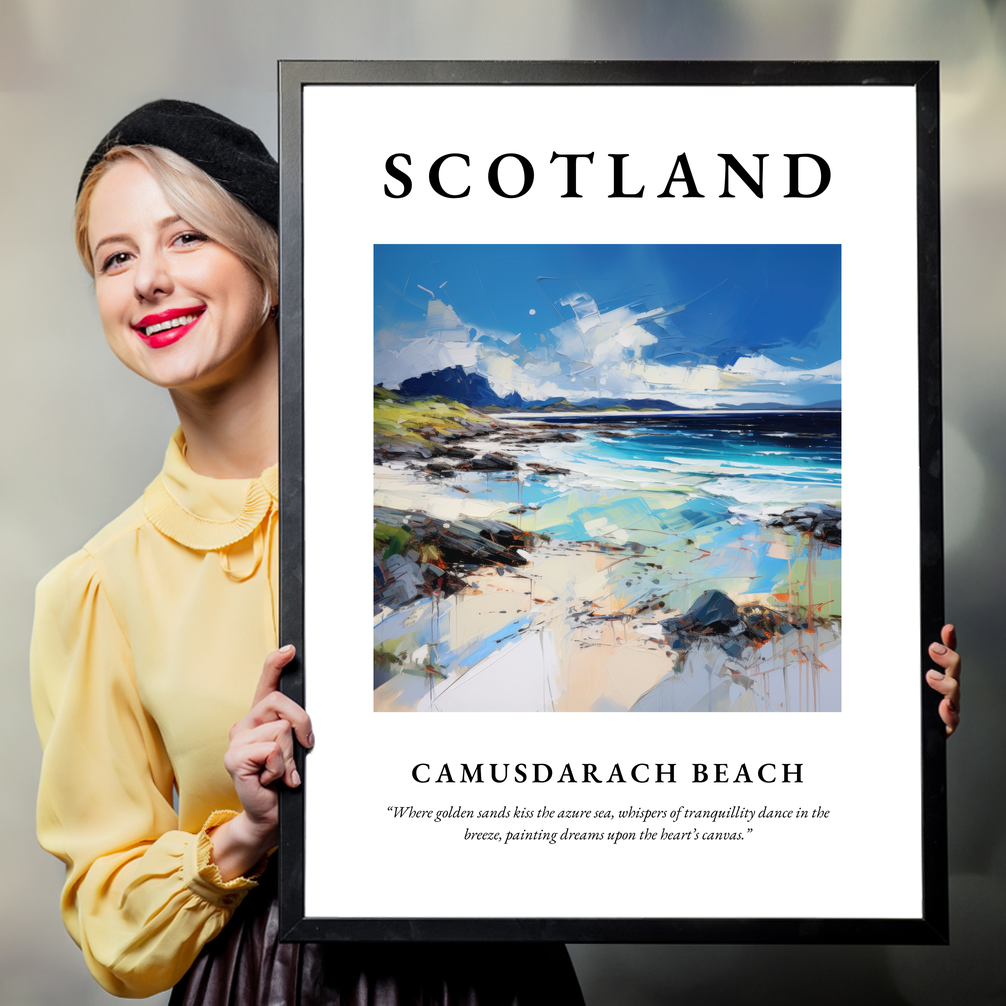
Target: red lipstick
166	327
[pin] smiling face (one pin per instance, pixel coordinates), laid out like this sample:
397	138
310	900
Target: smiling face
177	307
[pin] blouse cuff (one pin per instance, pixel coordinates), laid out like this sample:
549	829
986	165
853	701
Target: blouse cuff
202	876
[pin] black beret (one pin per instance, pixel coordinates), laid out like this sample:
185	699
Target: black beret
230	154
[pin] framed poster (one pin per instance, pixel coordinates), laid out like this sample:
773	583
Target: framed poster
623	379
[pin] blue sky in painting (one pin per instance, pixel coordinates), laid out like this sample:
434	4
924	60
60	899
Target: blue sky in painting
697	325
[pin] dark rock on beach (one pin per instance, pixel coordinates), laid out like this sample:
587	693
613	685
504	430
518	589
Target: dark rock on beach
440	469
419	555
541	436
542	469
475	428
493	462
821	522
715	615
713	612
404	451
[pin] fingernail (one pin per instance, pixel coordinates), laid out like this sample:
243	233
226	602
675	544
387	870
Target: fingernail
938	648
287	649
936	676
295	777
310	740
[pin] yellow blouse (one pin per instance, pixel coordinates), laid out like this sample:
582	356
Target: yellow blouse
147	647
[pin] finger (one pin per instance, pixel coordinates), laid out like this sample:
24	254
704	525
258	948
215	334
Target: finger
950	716
949	636
949	708
280	733
944	684
273	708
947	686
948	659
271	670
276	706
260	760
274	766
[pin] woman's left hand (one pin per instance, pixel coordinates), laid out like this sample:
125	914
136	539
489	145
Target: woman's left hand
948	681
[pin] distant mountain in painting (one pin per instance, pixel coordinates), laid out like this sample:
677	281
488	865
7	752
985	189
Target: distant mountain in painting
474	390
454	382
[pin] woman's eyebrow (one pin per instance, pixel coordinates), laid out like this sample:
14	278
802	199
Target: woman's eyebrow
109	240
160	225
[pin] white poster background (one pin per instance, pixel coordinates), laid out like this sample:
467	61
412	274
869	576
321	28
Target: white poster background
862	765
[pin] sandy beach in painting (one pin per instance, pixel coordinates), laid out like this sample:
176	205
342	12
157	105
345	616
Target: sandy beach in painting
619	661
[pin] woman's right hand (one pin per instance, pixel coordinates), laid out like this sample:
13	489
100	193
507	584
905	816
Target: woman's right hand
948	681
260	753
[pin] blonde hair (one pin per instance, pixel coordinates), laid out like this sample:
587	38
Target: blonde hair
199	200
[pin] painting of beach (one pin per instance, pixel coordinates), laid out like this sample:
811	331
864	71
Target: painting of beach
607	478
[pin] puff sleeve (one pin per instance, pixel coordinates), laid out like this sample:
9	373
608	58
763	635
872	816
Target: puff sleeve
141	897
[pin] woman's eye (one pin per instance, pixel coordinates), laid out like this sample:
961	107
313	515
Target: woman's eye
190	238
114	261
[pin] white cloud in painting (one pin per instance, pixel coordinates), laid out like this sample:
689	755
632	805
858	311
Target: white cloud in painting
593	337
596	354
536	380
761	368
442	322
749	380
443	342
420	356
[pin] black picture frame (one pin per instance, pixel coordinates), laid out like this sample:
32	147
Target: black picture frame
932	927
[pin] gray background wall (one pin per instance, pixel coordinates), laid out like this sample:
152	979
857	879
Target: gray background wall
81	436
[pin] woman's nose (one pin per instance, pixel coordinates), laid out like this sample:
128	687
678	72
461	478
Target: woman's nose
152	277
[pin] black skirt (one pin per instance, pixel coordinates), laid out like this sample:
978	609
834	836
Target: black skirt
246	965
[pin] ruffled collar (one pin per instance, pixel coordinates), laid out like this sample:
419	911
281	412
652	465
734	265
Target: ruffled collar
203	513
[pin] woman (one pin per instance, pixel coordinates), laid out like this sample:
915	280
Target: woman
148	643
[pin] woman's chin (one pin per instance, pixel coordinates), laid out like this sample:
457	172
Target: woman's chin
173	374
197	365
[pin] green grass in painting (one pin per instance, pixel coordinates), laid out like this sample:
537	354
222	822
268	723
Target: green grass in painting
399	420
